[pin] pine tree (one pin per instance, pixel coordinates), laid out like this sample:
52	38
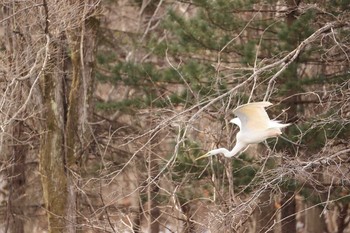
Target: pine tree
203	58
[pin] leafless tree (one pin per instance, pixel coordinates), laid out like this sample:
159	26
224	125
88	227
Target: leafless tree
72	165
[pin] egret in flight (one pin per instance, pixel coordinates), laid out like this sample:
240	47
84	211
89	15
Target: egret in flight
255	126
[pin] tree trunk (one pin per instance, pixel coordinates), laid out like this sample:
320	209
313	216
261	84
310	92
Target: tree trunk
314	221
12	149
82	43
153	188
52	161
265	213
288	210
17	181
288	213
67	105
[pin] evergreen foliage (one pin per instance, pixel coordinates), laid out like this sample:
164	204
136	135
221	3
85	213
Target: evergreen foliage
182	69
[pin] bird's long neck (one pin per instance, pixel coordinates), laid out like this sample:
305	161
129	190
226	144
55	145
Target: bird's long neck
236	149
228	154
219	151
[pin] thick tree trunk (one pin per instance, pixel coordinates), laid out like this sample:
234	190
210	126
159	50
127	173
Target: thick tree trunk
67	104
314	220
52	161
265	213
288	213
82	43
288	210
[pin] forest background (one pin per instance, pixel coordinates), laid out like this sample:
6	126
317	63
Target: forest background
106	104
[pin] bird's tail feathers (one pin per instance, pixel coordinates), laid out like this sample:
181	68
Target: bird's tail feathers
277	124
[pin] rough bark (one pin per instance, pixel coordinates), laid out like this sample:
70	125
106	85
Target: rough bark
82	43
67	104
52	162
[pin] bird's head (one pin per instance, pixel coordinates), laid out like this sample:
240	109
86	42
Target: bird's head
215	152
204	156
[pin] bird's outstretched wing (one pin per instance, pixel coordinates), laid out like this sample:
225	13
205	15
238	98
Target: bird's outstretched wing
253	116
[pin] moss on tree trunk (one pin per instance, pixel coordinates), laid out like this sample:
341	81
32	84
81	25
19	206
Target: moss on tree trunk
52	164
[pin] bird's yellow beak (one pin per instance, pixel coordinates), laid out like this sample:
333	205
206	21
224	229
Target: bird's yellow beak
203	156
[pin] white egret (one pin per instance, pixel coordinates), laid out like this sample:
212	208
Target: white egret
255	126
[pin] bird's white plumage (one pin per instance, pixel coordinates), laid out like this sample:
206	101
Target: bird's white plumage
253	116
236	121
255	126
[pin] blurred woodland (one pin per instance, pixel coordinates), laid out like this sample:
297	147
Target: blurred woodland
105	105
